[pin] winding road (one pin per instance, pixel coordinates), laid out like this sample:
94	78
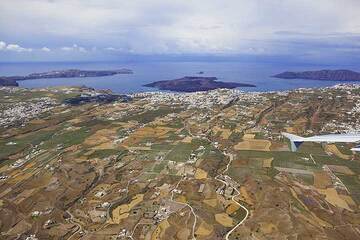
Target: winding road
218	177
231	157
188	205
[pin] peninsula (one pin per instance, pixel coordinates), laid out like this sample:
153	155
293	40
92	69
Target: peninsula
69	73
325	75
194	84
8	82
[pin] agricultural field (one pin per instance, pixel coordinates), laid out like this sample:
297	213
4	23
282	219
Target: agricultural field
177	166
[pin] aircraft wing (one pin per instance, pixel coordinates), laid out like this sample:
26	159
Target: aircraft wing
356	149
333	138
296	141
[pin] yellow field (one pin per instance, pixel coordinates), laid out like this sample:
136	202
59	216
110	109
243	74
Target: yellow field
159	232
216	129
129	124
248	136
289	129
245	196
230	112
75	120
231	208
181	199
204	229
164	189
146	132
102	139
120	217
211	202
224	219
200	174
122	211
300	124
322	180
187	139
267	162
348	199
255	144
225	134
334	150
332	196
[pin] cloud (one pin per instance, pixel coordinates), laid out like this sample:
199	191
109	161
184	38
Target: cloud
119	49
17	48
81	49
2	45
67	49
13	47
111	49
74	47
185	27
46	49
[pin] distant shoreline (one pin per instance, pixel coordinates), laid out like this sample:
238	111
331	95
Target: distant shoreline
322	75
145	73
69	73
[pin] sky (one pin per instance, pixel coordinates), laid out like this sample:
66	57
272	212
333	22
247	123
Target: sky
89	30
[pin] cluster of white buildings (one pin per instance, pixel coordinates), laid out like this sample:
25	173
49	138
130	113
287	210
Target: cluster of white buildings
24	111
346	86
356	108
206	99
341	127
350	120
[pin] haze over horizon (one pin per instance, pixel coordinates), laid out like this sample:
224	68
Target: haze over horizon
322	31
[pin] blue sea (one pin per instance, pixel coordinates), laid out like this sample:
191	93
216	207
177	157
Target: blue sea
146	72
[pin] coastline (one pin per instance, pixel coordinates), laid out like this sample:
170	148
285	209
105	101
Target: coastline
148	72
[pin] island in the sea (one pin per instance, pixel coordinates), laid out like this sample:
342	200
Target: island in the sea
325	75
8	81
195	84
69	73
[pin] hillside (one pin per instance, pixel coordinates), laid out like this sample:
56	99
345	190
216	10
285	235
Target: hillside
194	84
326	75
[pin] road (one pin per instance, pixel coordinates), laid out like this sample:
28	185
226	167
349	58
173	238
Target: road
226	182
218	177
188	205
72	220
